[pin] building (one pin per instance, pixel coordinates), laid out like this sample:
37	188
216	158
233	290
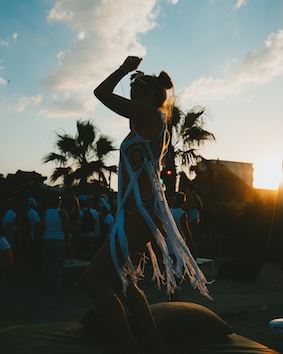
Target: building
243	170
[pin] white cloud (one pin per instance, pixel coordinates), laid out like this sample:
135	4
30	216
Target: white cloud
105	33
78	106
2	81
258	66
28	101
240	3
6	42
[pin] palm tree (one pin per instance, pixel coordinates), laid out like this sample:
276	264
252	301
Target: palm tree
81	157
187	134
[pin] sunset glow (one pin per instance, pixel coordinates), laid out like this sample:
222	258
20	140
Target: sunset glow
268	173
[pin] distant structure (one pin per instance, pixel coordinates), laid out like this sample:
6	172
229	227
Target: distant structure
243	170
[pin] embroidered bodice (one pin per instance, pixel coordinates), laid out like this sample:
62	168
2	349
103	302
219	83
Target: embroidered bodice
137	149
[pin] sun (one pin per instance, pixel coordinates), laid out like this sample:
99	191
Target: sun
268	173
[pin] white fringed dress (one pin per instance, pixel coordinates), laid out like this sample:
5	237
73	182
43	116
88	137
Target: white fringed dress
138	154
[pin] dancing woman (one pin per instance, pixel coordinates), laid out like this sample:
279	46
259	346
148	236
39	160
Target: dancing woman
142	217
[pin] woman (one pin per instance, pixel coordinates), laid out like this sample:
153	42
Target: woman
56	232
142	214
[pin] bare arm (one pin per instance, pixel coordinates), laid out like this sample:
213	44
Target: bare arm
132	109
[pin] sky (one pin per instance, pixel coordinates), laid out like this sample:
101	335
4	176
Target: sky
224	55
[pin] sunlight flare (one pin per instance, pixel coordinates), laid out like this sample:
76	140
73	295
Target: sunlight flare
268	173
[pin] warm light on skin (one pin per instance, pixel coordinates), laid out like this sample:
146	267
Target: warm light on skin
268	173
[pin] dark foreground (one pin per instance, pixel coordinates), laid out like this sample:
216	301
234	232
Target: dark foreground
246	306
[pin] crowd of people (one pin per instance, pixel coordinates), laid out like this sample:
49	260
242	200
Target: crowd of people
67	227
43	237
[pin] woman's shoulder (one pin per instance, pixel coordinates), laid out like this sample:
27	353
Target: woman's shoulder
150	129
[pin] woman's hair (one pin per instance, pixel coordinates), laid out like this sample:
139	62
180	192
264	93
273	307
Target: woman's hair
157	86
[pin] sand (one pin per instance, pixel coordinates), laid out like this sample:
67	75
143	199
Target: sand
247	307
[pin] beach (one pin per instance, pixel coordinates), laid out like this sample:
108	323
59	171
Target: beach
247	306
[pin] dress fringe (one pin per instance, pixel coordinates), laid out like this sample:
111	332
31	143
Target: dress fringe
184	264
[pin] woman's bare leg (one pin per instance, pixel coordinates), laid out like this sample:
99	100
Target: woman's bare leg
143	319
98	283
138	237
103	286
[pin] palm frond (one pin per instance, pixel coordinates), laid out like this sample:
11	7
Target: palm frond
52	156
177	116
192	116
112	169
60	172
86	132
95	166
104	145
196	135
66	144
102	178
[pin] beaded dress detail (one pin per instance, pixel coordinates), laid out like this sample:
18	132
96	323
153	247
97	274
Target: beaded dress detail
138	154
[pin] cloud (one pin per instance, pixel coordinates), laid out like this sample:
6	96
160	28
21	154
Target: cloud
2	81
4	43
78	106
173	2
257	67
105	33
240	3
28	101
7	42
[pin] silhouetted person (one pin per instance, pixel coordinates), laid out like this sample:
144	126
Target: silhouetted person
56	231
193	208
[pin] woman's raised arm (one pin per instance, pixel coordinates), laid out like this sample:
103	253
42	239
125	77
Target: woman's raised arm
104	91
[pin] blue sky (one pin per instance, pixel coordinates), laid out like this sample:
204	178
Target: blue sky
226	55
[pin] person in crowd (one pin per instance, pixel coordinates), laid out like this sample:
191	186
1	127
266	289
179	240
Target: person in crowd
34	234
11	225
55	237
193	208
26	244
90	238
181	220
9	221
6	253
70	203
107	220
111	280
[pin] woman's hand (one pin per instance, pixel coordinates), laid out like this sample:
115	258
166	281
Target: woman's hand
131	63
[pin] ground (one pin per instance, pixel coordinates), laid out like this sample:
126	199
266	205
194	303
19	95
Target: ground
247	306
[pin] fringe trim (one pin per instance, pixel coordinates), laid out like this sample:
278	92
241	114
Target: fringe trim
185	265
